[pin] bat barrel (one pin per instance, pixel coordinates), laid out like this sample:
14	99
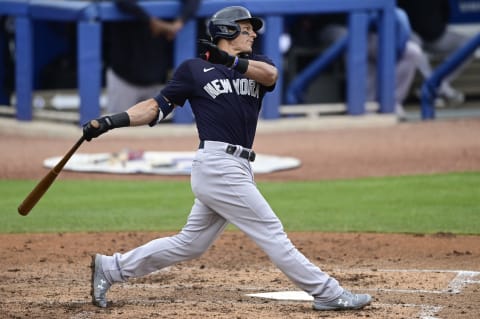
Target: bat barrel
37	193
32	199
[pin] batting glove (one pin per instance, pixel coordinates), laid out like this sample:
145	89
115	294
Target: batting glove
213	54
103	124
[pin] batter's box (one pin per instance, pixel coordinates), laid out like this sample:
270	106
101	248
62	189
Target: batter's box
391	280
427	281
381	310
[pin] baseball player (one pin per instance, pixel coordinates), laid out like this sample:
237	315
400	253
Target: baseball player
225	88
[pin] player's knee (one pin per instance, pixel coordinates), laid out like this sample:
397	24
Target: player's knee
191	247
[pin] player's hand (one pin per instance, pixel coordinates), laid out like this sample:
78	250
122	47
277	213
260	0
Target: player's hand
97	127
211	53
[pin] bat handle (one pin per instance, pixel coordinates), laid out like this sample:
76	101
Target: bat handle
94	123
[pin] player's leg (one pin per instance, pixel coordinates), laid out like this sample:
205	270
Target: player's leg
449	42
446	45
202	228
406	68
247	209
227	187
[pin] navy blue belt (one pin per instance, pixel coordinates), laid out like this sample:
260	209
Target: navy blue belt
230	149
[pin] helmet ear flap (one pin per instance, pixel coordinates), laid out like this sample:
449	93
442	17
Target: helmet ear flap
223	29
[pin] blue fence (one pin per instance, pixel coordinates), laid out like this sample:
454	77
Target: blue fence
465	11
89	16
431	85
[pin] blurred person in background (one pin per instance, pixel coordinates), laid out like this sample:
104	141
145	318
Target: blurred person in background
327	29
139	53
429	20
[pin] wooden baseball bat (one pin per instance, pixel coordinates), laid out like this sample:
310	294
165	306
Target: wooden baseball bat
39	190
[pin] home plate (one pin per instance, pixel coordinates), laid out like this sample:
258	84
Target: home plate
284	295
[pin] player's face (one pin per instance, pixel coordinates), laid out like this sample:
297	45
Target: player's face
244	41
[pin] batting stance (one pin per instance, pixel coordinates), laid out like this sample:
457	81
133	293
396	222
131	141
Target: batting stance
225	88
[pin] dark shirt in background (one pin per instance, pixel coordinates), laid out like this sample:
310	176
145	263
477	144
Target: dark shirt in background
428	18
133	52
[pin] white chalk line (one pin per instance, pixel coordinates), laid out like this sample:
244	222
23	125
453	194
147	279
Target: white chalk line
462	279
426	312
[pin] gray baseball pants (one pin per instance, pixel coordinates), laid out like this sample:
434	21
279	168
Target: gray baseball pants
446	45
225	193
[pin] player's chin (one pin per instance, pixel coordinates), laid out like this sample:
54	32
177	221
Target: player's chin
247	50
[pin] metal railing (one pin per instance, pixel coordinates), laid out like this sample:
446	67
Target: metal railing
89	16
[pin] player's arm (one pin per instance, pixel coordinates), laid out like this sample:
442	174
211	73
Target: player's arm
262	72
150	112
143	112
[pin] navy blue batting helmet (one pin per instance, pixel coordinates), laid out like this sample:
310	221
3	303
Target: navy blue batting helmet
223	23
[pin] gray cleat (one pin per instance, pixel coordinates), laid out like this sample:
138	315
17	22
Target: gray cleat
100	284
346	301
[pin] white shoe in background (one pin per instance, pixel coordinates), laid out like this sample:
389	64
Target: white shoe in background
451	98
400	111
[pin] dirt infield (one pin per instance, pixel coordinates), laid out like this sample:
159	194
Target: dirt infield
410	276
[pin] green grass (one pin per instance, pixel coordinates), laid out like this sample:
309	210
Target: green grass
409	204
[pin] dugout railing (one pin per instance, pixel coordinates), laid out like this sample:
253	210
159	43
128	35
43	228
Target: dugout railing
462	12
89	16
